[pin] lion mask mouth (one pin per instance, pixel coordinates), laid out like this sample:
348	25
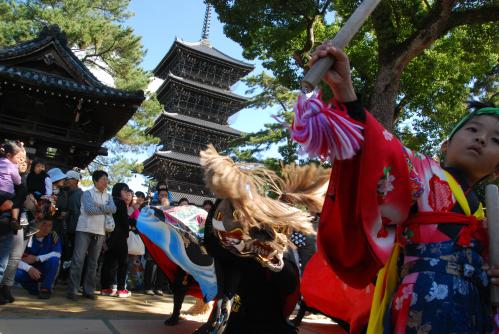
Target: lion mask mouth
242	245
266	246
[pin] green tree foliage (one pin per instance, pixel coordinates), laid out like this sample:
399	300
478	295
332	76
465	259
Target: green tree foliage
97	33
414	62
270	94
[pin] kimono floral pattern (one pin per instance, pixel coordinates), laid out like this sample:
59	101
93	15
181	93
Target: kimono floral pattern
385	184
441	196
388	136
416	183
437	291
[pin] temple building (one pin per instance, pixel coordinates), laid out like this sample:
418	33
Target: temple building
52	102
195	92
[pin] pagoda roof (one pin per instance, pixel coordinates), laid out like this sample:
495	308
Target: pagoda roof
194	121
202	48
201	87
180	157
205	47
72	75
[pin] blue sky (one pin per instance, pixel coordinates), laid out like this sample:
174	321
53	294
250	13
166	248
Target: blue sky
158	22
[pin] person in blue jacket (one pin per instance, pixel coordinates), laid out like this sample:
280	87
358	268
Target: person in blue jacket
39	265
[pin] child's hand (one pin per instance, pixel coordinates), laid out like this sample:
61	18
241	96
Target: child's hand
493	273
338	77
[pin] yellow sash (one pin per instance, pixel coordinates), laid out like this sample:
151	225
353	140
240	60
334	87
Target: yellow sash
386	283
458	193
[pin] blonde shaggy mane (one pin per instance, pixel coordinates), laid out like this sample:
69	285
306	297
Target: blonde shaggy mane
244	185
304	186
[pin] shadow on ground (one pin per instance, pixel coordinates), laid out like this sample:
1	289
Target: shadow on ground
139	306
139	314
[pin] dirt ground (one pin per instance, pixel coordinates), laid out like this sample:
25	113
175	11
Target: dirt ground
109	315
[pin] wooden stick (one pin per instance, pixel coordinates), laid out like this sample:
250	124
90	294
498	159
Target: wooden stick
492	204
342	38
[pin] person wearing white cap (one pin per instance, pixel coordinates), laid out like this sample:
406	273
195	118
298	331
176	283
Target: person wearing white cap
71	220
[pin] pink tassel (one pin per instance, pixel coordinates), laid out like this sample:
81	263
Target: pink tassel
325	131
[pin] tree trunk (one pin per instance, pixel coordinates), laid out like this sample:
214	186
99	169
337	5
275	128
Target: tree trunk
382	102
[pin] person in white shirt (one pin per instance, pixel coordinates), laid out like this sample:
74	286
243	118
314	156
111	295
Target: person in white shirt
96	204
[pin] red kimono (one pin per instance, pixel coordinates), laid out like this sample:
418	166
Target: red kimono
387	193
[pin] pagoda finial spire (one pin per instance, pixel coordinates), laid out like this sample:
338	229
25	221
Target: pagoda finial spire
206	23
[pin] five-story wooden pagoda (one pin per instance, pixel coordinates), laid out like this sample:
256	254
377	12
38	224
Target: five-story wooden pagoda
197	101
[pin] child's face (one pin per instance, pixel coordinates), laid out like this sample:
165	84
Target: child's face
22	163
17	158
163	198
474	149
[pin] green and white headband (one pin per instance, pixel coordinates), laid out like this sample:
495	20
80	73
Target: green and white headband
484	111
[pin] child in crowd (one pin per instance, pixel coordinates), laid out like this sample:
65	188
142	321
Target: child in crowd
141	200
133	211
161	187
40	263
418	220
10	155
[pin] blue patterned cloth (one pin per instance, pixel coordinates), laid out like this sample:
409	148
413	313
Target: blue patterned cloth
178	244
450	294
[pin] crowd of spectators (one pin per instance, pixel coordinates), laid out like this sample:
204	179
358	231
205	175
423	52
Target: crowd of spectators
53	232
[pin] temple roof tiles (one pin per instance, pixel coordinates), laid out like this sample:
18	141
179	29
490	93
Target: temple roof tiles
53	37
202	48
198	122
172	155
202	87
49	81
